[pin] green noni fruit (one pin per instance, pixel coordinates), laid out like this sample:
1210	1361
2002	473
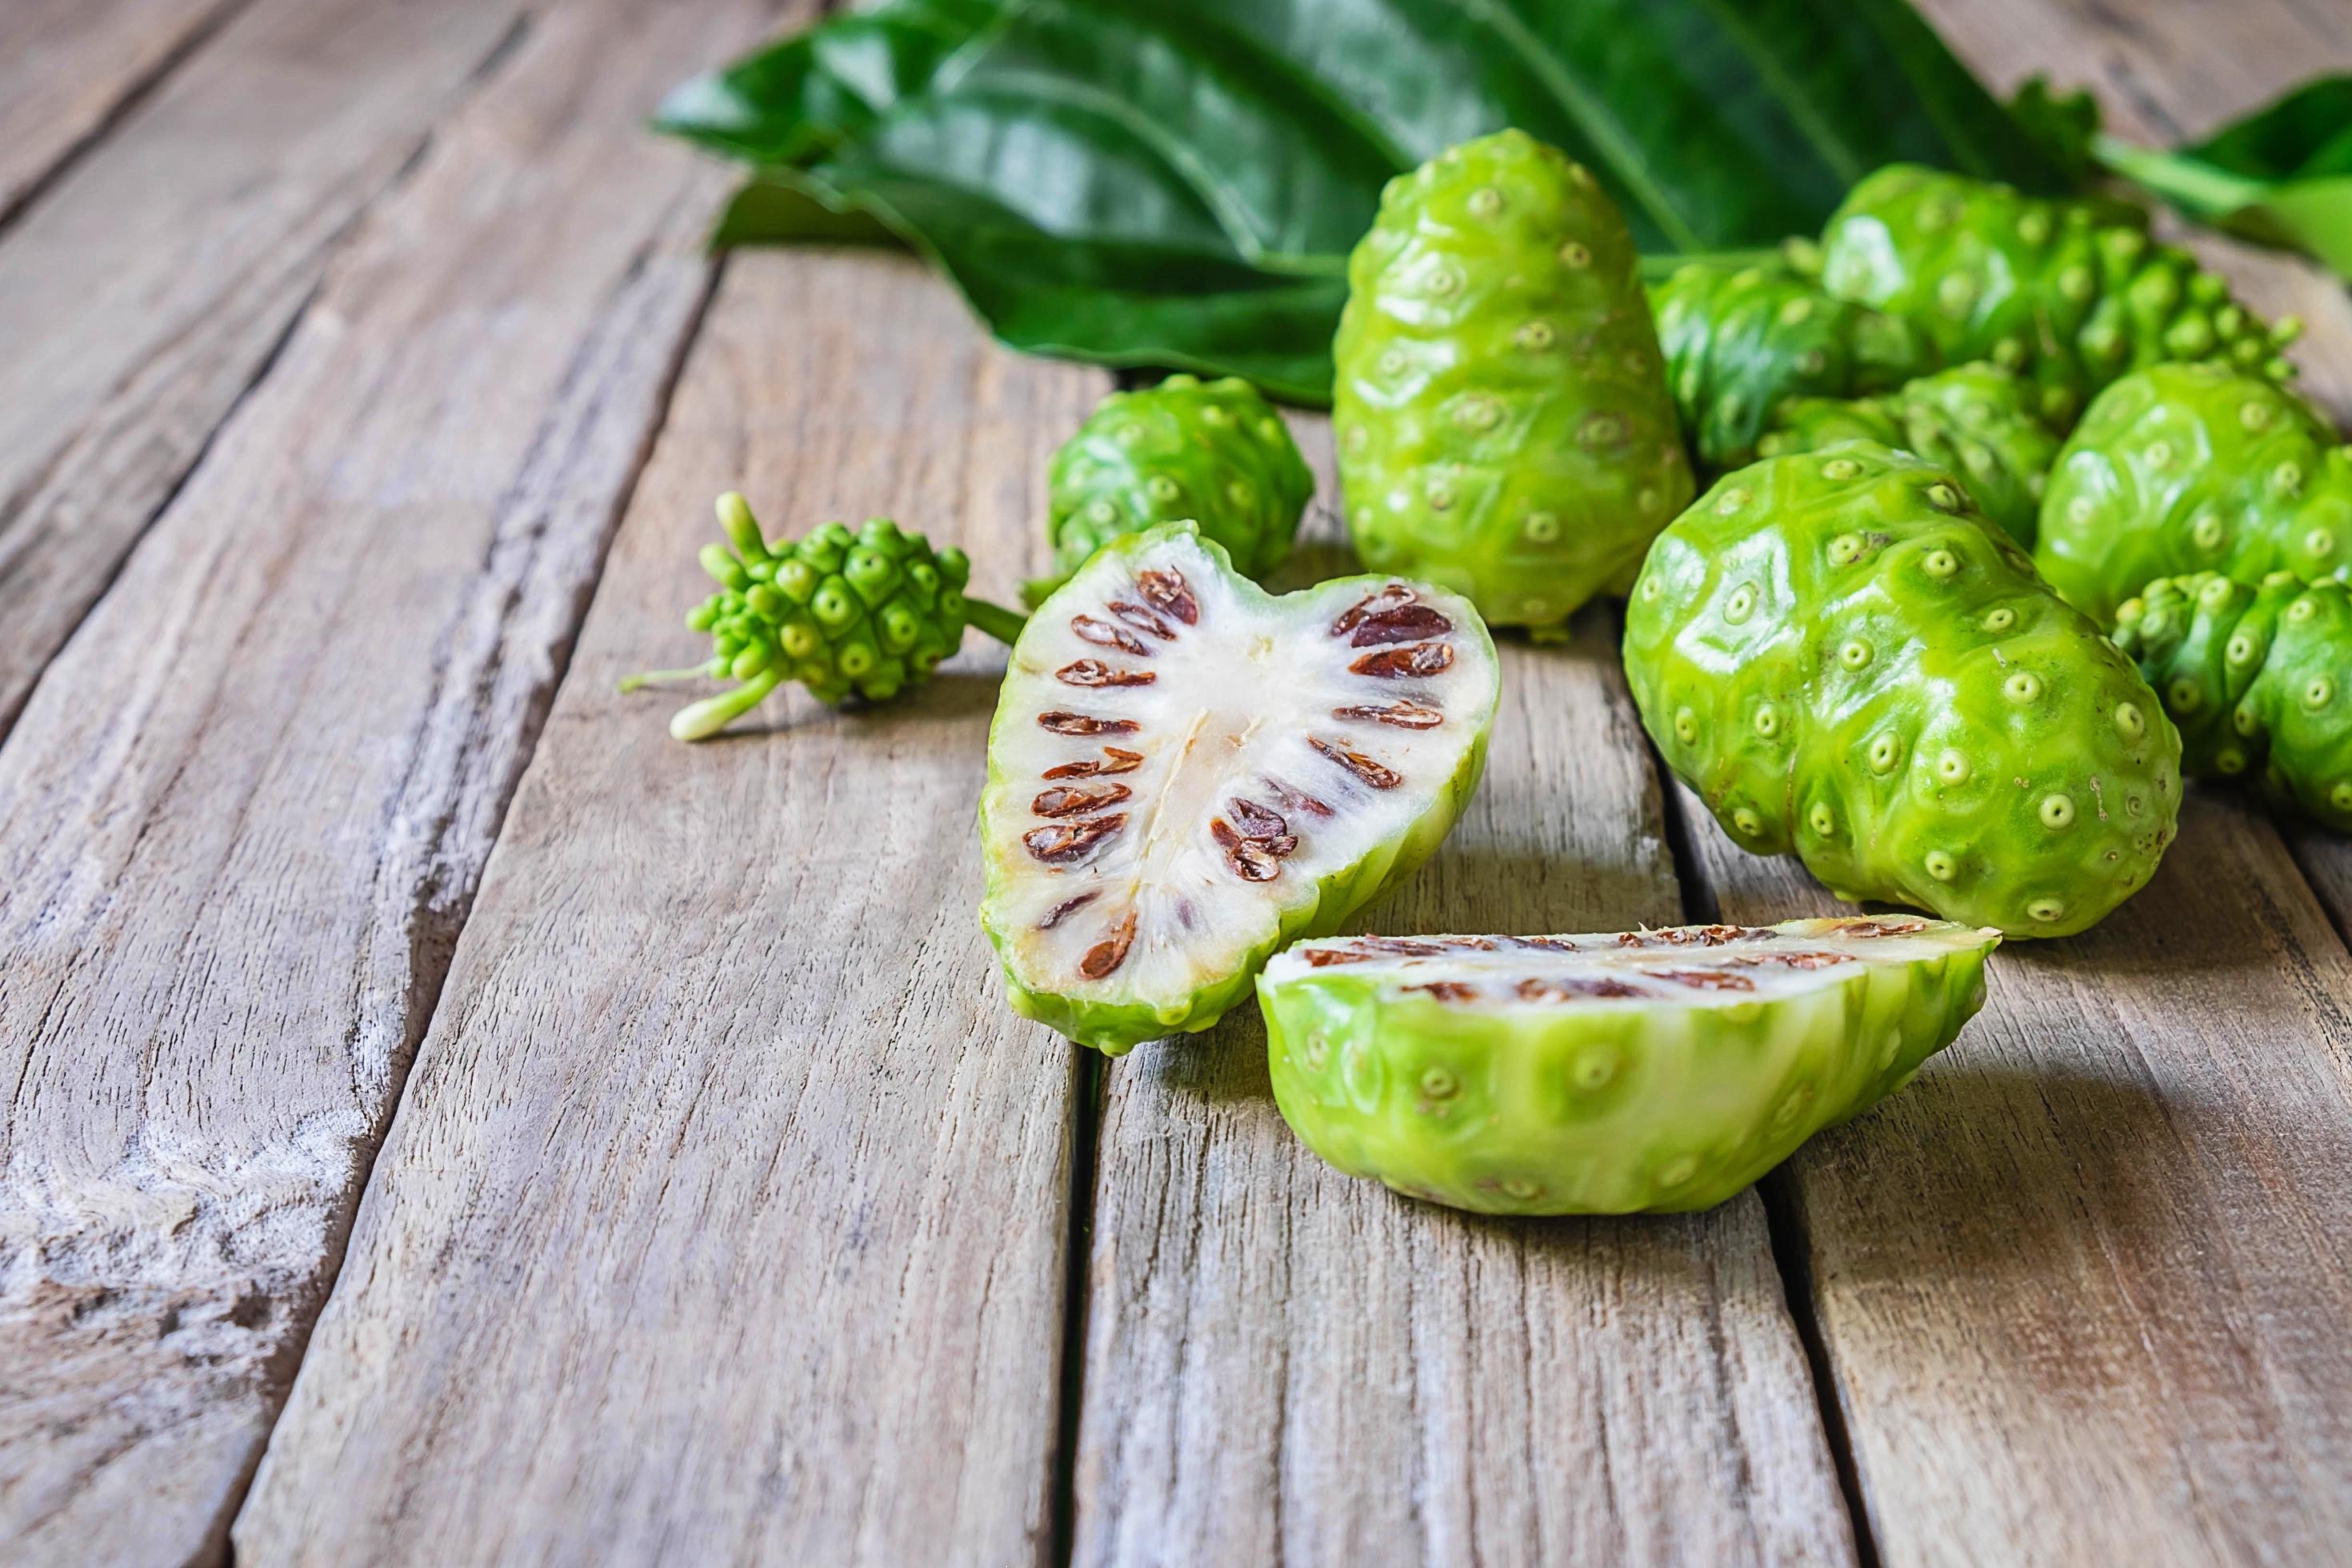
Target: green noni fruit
1214	452
2258	678
861	614
1186	774
2184	469
1644	1070
2070	293
1843	658
1740	341
1974	420
1501	411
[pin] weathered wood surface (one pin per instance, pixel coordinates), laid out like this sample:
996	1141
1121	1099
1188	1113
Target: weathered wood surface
67	66
144	291
725	1173
1286	1365
244	814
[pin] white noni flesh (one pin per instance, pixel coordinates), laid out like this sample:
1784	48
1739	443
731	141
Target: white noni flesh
1186	773
1654	1069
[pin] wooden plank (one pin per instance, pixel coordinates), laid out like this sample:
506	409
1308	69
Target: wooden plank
68	67
146	288
723	1135
243	817
1284	1364
2083	1285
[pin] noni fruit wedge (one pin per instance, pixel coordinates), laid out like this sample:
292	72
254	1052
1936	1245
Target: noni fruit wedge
2185	469
1740	341
1843	657
1186	773
1642	1070
2258	678
1974	420
1501	411
851	616
1214	452
2072	293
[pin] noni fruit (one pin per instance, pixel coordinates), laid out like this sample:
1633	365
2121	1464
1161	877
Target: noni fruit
861	614
2071	293
1501	411
1843	657
1214	452
1186	774
2258	678
2183	469
1740	341
1977	420
1642	1070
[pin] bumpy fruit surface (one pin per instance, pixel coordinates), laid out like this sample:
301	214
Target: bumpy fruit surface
2184	469
2258	678
860	615
2071	293
1214	452
1974	420
1740	341
1186	774
1843	657
1644	1071
1503	421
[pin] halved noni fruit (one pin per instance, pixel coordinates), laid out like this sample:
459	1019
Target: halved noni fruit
1185	774
1653	1071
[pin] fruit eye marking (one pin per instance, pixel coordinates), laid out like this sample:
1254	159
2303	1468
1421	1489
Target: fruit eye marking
1065	801
1102	634
1115	762
1066	907
1166	591
1094	672
1108	954
1062	724
1063	842
1402	715
1424	658
1356	762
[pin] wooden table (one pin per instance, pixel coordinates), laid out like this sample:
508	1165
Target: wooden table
448	1122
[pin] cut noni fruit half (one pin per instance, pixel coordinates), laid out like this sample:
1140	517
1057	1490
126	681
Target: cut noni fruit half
1640	1070
1186	774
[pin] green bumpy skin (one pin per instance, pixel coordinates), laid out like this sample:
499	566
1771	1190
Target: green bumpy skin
2070	293
2185	469
864	615
1657	1071
1740	341
1974	420
1213	452
2259	678
1501	410
1843	657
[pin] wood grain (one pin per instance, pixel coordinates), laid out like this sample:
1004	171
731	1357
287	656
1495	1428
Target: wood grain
243	816
1284	1364
2083	1285
68	67
145	291
725	1172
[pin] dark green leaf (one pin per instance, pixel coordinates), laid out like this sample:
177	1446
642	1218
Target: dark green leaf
1137	182
782	207
2062	124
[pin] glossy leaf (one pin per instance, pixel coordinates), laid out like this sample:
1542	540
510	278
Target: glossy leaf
1134	183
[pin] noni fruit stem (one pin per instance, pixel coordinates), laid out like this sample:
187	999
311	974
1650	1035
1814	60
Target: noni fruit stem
1739	341
1501	409
2070	293
862	615
1844	656
2185	469
1215	452
1977	420
2257	676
